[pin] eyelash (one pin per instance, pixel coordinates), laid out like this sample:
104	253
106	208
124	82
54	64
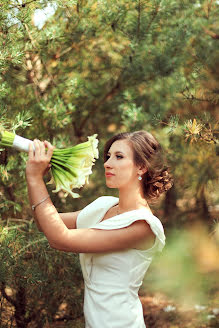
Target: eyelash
117	156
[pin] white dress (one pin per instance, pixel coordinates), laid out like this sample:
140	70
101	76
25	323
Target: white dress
112	280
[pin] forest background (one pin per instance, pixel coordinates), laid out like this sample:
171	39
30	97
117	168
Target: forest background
105	67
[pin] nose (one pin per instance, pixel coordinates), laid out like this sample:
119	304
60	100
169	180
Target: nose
107	164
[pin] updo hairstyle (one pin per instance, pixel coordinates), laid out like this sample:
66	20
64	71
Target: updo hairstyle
148	154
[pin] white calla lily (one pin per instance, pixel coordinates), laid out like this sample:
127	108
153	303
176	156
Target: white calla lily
70	168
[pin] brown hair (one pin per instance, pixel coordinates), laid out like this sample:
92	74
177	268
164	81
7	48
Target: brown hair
147	153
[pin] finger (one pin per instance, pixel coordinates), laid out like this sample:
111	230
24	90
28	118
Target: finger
47	169
41	148
31	151
37	147
50	148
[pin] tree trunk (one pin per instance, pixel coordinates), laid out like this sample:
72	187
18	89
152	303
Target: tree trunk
20	308
170	207
201	204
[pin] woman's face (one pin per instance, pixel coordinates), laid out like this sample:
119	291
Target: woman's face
120	169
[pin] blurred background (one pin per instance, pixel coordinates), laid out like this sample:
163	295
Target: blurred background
69	69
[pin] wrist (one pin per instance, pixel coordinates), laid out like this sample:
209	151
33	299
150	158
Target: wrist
40	202
34	180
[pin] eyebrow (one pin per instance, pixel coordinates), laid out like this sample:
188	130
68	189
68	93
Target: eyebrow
117	152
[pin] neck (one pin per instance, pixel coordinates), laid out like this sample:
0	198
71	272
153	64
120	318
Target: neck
131	199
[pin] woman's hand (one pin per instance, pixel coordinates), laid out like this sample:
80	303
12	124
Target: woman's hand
38	163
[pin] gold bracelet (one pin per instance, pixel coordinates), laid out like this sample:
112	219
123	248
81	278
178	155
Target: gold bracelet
43	200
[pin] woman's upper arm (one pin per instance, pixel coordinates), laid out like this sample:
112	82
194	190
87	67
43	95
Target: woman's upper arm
95	240
69	219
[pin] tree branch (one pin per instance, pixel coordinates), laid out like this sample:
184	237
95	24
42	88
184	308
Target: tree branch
10	191
107	97
154	14
50	76
68	318
139	19
192	97
6	296
209	8
212	34
23	5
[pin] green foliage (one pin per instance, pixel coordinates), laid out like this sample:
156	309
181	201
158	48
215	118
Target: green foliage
36	280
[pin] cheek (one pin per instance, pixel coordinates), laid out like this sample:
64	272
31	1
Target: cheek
127	166
126	171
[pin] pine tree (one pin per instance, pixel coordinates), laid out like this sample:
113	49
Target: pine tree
102	67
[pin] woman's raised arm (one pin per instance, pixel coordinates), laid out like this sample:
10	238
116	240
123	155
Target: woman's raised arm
69	219
37	165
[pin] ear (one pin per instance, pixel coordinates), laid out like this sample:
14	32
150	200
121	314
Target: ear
142	170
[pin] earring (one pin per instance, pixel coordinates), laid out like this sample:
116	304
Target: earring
139	178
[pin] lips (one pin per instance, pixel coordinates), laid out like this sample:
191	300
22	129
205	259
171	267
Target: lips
108	174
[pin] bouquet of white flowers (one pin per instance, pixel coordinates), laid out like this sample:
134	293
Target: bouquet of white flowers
70	167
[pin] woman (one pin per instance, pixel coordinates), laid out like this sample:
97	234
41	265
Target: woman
116	237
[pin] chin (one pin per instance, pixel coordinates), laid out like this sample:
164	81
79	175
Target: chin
111	185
